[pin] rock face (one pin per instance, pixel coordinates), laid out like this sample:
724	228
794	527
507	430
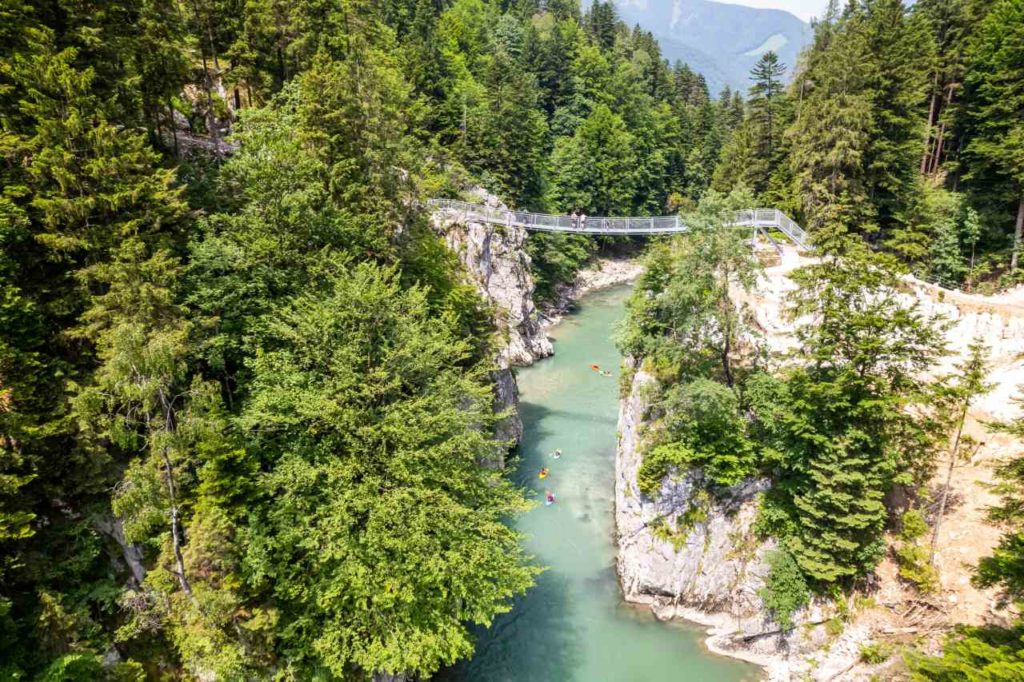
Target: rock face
718	566
496	259
506	398
710	572
713	570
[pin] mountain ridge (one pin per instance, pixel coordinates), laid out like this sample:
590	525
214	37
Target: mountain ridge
722	41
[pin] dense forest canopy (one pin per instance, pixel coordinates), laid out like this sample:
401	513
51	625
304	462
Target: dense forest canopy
245	389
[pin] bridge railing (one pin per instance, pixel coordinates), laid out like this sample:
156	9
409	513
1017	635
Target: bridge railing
763	218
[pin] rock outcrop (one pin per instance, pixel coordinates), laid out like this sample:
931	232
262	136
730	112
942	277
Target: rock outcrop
506	399
710	571
496	259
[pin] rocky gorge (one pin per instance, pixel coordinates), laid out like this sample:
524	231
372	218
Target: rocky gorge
496	260
709	567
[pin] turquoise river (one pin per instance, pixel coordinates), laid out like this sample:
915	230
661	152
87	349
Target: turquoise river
574	626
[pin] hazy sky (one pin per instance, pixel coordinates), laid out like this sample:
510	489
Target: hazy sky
805	9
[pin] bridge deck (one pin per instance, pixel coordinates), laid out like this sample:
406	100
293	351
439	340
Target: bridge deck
760	218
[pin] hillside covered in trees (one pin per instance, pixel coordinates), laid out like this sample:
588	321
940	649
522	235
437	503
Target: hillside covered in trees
901	126
245	390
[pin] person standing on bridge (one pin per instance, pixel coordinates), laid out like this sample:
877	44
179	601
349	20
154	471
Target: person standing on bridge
583	221
574	218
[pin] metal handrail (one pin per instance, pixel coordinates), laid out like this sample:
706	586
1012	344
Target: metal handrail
761	218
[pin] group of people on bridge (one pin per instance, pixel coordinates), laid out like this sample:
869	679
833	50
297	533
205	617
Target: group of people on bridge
579	219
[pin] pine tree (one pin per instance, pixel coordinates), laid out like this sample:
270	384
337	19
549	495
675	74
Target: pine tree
995	124
601	23
753	154
840	420
368	422
691	320
898	47
992	652
595	170
956	398
951	23
506	145
764	103
85	182
830	133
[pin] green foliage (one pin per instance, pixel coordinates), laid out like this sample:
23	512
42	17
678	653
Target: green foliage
941	237
369	426
136	502
1005	568
785	591
658	462
914	563
683	322
703	421
755	153
841	427
681	311
912	525
991	653
678	530
255	382
994	124
976	654
876	653
556	258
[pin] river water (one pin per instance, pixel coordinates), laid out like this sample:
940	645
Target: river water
573	625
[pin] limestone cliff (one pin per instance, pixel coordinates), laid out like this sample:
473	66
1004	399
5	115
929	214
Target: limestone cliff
495	259
709	568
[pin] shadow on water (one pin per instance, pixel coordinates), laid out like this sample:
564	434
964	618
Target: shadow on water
537	640
528	411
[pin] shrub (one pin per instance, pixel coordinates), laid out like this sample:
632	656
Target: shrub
913	525
785	590
875	653
658	462
912	558
705	416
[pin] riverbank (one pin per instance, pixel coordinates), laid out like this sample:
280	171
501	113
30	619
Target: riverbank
601	274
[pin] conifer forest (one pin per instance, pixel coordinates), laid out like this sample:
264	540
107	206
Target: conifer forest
247	391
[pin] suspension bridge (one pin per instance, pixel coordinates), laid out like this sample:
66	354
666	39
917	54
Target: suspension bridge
764	220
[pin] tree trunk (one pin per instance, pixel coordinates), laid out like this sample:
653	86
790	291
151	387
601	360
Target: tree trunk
926	153
727	349
949	478
174	124
211	116
970	273
936	160
1017	234
176	541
